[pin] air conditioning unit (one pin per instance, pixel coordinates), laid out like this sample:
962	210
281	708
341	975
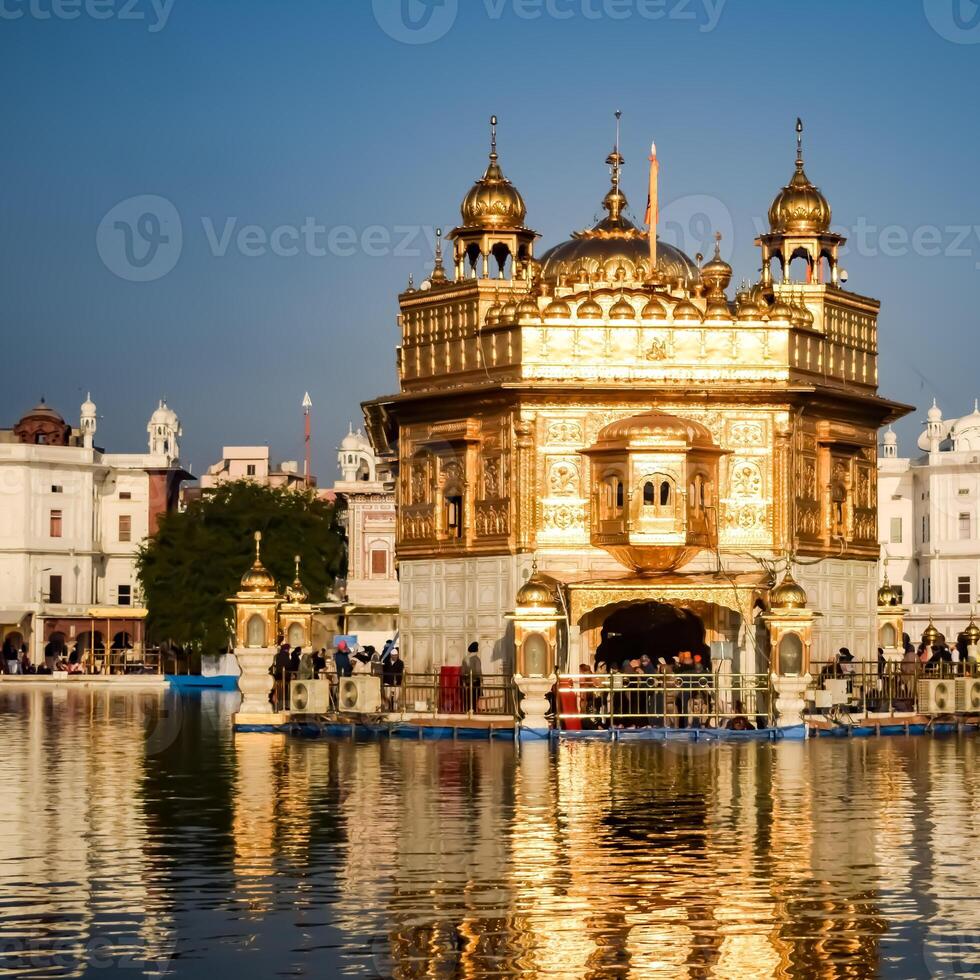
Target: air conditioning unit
360	694
309	697
968	695
937	697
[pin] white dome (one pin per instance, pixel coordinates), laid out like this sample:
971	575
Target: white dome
163	415
935	413
88	406
354	441
890	438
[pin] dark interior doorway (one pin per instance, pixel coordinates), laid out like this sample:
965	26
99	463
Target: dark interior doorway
653	628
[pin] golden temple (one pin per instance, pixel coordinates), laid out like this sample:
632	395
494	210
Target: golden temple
609	410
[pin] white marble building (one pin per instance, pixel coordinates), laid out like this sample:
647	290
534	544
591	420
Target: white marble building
928	513
365	495
72	519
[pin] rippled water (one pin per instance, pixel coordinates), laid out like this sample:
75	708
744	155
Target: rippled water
138	834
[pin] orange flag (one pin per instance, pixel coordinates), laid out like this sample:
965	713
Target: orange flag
653	204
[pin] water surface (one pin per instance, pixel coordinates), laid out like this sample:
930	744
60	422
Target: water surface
138	834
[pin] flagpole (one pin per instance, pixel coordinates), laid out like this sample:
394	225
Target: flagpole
653	208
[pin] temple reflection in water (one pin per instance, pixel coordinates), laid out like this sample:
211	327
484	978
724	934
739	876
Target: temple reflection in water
264	855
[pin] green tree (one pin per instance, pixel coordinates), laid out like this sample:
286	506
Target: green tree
195	562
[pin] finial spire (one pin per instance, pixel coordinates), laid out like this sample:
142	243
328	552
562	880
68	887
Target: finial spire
258	544
438	270
799	143
493	139
717	244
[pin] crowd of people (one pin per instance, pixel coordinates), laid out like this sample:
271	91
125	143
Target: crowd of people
58	659
639	693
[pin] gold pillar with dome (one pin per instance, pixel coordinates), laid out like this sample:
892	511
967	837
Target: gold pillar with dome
256	621
891	623
535	618
790	625
296	613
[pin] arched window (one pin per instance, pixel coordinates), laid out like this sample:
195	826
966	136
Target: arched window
255	631
295	635
665	494
619	495
649	494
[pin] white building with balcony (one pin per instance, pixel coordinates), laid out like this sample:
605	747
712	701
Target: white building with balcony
929	508
71	522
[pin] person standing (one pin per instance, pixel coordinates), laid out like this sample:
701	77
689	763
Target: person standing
10	662
472	677
341	659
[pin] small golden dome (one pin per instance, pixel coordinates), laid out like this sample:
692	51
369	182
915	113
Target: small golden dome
789	594
622	309
747	309
806	317
781	310
686	310
557	309
493	201
493	314
717	273
887	596
717	309
799	208
297	593
508	312
653	310
528	310
653	426
589	310
258	580
971	635
798	316
535	593
932	636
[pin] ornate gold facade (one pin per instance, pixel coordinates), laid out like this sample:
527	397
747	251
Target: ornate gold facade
505	382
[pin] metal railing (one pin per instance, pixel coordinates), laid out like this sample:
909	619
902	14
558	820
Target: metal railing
863	689
491	694
710	700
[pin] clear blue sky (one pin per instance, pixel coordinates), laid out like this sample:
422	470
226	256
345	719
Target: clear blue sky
268	113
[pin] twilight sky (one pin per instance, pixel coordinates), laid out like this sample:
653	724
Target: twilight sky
347	131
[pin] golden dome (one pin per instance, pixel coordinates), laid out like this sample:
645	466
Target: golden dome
557	309
535	593
686	310
493	314
971	635
799	208
717	273
297	593
622	309
887	596
654	310
781	310
789	594
653	427
528	310
747	308
258	580
493	201
589	310
508	312
615	248
717	309
932	636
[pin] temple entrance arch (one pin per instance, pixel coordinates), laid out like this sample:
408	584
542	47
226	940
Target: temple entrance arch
656	629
